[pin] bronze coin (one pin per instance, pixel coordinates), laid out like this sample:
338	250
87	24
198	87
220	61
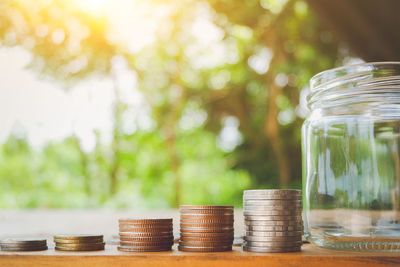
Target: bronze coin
207	230
149	234
144	249
207	239
204	244
210	212
23	241
147	226
204	249
37	248
202	207
207	235
77	241
146	221
146	244
211	217
79	249
79	237
80	245
146	239
140	230
206	225
207	221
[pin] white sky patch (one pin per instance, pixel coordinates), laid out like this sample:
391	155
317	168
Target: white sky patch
192	117
47	112
229	137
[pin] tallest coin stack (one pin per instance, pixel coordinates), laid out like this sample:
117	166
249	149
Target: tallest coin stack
273	220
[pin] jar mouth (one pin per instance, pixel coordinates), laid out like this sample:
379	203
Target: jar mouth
366	82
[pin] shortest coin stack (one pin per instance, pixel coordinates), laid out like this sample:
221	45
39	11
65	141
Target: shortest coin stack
79	242
273	220
206	228
23	244
145	235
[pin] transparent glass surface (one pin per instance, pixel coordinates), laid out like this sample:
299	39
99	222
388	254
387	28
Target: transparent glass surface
351	159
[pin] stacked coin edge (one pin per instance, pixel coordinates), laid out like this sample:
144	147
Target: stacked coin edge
85	242
145	235
23	244
206	228
273	220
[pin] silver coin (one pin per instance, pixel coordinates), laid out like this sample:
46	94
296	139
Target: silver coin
272	212
262	222
275	194
266	250
270	202
272	244
274	228
274	208
289	192
257	217
259	233
273	238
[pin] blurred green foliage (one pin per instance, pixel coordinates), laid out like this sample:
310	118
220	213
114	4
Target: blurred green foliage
263	54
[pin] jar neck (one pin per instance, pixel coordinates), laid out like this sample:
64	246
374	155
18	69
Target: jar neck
367	89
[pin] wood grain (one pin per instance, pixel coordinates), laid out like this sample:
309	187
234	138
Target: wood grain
309	256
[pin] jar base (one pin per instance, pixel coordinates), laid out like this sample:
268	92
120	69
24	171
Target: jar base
393	246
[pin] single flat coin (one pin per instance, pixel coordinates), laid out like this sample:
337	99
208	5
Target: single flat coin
207	235
38	248
30	241
259	233
273	238
205	244
63	248
202	207
204	217
206	225
272	208
149	234
204	249
272	192
143	249
147	239
140	230
274	228
79	236
77	241
272	244
273	218
273	212
209	212
270	202
206	239
146	221
267	250
81	245
207	230
260	222
146	244
23	245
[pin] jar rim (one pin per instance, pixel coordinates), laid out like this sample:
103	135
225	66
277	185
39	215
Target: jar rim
331	74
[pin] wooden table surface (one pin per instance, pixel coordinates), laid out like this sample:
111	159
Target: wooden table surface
309	256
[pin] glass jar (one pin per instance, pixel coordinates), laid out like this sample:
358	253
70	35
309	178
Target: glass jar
351	158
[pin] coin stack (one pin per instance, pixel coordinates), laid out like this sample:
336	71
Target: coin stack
23	244
273	220
206	228
79	242
145	235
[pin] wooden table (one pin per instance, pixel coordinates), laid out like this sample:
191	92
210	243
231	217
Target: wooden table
310	256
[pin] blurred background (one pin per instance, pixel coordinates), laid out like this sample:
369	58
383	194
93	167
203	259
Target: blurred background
154	103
